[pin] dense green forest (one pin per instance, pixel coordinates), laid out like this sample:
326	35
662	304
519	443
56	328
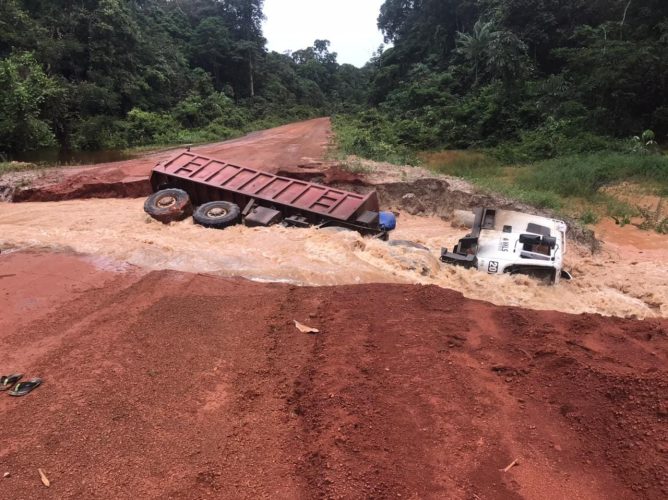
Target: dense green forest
550	77
532	79
98	74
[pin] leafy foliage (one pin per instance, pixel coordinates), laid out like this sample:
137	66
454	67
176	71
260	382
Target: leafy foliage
552	77
116	73
532	79
367	135
24	89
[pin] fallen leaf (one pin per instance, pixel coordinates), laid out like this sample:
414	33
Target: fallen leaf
305	329
45	480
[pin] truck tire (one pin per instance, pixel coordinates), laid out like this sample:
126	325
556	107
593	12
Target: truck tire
168	205
217	214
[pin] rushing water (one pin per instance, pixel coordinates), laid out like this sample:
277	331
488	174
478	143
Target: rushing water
610	283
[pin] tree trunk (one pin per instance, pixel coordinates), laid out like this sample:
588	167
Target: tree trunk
621	24
251	80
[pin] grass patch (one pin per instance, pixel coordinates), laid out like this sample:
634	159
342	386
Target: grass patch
491	175
16	166
584	175
536	198
471	165
571	185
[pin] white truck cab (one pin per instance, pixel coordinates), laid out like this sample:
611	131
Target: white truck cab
503	241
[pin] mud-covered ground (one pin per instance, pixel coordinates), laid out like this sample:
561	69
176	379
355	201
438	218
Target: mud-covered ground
168	375
178	385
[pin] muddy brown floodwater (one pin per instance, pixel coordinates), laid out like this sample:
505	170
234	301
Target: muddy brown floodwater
615	282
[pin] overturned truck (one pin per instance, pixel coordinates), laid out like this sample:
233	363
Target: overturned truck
219	194
504	241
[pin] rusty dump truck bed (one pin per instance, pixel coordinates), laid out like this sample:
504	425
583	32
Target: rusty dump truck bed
207	179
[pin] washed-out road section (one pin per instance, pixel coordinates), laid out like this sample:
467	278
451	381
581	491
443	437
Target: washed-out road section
165	376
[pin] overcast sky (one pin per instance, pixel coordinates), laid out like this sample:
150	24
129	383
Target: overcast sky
349	24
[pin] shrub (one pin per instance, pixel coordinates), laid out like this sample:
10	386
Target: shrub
554	139
588	216
644	144
200	112
370	135
98	133
145	127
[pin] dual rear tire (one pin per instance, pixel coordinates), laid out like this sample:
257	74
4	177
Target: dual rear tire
171	205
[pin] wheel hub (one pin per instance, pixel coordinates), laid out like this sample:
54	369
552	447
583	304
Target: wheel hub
217	212
166	201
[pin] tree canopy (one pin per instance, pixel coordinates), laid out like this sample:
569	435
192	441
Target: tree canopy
459	73
498	70
111	73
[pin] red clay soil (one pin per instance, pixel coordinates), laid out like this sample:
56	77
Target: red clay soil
295	148
174	385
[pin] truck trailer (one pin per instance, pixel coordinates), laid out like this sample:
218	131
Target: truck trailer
219	194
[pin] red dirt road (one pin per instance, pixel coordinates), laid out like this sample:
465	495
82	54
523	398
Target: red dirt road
175	385
294	147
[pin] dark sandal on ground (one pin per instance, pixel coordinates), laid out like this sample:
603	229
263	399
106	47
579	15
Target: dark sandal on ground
23	388
7	381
